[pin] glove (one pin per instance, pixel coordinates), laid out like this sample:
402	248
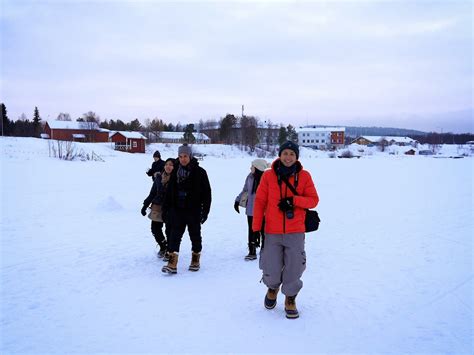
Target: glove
149	173
203	218
143	211
256	238
236	207
286	204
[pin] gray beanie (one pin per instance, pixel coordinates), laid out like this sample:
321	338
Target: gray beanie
185	149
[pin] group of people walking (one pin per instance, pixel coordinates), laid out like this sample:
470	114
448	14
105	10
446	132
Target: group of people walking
180	198
275	199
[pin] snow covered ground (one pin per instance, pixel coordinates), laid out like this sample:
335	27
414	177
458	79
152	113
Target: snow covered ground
389	271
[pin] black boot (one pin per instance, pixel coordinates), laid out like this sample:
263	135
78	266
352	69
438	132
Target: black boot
252	255
161	249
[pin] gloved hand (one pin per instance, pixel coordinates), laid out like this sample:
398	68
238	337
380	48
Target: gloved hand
256	238
149	173
236	207
143	211
286	204
203	218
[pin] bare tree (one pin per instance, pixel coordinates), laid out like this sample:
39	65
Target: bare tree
64	117
92	121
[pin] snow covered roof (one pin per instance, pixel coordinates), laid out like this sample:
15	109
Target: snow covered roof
73	125
388	139
321	129
179	135
130	135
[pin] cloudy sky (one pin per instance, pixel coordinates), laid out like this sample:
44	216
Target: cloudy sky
379	63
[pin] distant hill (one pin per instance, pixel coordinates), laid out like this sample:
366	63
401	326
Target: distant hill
377	131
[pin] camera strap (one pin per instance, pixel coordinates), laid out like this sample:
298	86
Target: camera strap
291	187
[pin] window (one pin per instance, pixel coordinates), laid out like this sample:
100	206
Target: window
134	144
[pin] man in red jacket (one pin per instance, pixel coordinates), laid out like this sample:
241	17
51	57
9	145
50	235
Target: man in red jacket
283	259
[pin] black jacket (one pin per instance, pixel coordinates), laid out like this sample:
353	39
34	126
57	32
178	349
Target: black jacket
156	167
157	192
193	194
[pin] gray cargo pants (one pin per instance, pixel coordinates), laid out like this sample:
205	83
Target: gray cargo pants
283	261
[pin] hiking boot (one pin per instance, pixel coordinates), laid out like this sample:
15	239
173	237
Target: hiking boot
290	307
161	253
252	255
172	267
161	249
195	262
271	298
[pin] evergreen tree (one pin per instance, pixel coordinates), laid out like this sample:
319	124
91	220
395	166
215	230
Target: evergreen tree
188	134
135	125
282	135
291	134
225	129
36	123
6	124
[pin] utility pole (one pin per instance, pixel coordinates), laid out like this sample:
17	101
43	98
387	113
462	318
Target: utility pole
242	110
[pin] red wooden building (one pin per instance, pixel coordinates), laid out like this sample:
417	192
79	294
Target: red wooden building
132	142
75	131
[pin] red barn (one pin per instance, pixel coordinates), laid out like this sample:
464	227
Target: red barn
132	142
75	131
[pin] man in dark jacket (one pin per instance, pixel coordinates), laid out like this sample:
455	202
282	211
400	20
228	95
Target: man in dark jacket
187	204
157	166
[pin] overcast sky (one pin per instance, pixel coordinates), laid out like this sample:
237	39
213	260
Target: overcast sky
379	63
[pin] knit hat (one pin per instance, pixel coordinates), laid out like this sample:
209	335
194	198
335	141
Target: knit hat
260	164
185	149
157	154
290	145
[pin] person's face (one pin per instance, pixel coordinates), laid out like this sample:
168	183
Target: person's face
288	157
184	159
156	158
169	167
252	169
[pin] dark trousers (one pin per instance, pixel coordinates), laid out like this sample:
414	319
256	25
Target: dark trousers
157	231
180	219
251	235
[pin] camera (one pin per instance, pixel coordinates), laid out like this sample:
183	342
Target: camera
290	214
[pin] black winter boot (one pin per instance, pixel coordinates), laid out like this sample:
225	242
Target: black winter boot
252	255
161	249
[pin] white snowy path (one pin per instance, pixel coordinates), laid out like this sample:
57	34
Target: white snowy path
389	271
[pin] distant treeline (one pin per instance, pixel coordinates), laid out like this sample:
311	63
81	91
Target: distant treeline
443	138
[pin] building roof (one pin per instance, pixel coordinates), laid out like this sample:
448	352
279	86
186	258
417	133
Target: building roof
73	125
388	139
130	135
321	129
180	135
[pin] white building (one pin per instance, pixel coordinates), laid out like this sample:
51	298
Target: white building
321	137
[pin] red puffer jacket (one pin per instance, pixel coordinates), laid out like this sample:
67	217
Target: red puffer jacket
270	192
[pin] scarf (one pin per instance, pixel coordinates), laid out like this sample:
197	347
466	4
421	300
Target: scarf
165	177
284	171
182	174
